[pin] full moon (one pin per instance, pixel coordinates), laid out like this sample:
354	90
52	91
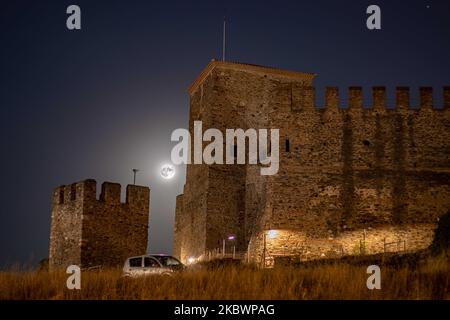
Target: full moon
167	171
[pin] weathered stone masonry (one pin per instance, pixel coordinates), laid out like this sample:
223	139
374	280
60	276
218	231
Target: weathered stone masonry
346	174
88	232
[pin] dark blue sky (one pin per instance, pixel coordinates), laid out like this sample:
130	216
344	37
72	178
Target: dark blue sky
97	102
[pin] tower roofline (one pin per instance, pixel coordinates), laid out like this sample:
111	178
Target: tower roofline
247	67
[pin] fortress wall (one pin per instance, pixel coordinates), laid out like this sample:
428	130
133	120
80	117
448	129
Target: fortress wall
65	234
90	232
370	241
350	169
114	231
383	169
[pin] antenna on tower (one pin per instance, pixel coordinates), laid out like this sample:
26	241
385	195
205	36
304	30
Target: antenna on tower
224	38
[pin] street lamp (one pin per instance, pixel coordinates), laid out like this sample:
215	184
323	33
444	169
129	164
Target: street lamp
134	175
232	237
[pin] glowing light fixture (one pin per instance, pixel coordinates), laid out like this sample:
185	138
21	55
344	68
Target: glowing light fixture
191	260
272	234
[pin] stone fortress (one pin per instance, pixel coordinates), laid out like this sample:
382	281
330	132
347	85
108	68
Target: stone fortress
90	232
351	180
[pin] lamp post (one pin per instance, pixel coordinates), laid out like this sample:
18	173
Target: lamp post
135	171
232	237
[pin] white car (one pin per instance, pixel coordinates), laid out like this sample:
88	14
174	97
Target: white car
154	264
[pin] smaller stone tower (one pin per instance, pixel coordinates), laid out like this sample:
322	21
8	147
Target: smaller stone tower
88	232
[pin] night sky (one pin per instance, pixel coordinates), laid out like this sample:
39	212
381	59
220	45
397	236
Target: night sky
98	102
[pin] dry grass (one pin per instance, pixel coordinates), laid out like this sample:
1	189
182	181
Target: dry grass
431	280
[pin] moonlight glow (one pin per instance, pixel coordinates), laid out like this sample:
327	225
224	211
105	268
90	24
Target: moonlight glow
167	171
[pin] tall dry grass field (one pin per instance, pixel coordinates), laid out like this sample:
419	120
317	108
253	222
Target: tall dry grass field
431	280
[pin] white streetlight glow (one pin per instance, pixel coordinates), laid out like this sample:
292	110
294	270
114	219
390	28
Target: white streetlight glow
191	260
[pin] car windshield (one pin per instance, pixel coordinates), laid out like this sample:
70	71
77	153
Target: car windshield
167	261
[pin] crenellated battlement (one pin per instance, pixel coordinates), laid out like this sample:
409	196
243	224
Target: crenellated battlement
87	231
306	97
86	191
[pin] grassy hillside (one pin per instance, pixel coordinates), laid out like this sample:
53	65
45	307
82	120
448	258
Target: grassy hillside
430	279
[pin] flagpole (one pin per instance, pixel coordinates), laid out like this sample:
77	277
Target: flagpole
224	38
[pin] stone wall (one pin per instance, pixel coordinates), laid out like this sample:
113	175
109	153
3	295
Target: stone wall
66	224
215	202
361	168
104	232
343	170
305	246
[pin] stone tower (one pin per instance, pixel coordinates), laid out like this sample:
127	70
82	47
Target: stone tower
353	175
216	202
88	232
